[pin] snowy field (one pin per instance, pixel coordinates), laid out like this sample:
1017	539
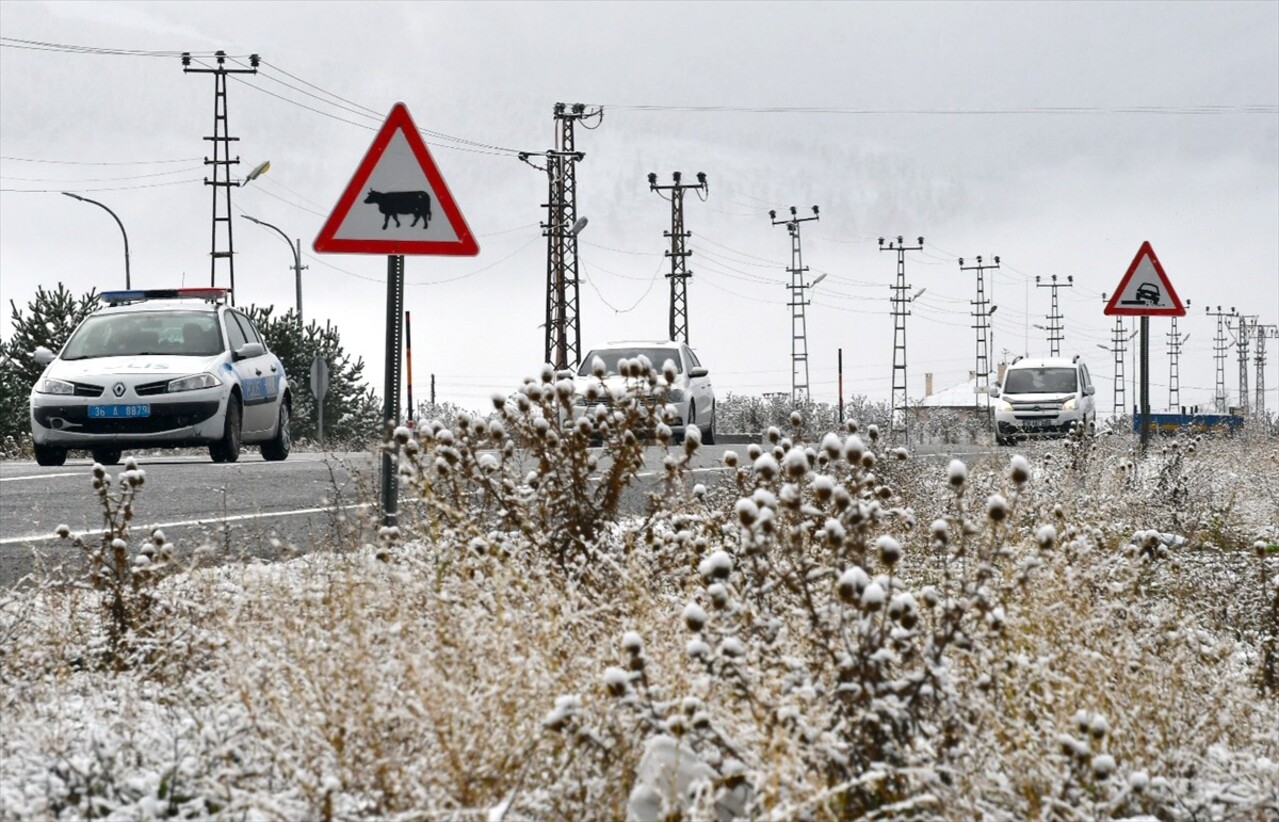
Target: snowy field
834	631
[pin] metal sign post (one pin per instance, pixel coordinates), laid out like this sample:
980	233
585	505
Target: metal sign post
391	401
319	387
1145	382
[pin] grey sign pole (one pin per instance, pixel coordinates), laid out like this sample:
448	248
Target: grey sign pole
1145	382
319	388
391	400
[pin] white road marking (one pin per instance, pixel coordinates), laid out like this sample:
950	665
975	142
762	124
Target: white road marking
44	476
183	523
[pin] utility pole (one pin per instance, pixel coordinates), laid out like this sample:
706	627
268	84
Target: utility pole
1219	348
1241	347
222	162
1174	364
563	348
679	275
1262	332
798	322
1054	319
900	400
982	316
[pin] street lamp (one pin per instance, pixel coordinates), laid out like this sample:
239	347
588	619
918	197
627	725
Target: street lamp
297	258
128	282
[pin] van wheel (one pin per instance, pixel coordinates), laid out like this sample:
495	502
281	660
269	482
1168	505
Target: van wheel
50	455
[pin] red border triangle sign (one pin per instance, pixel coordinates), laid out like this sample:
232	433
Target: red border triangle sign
397	202
1145	289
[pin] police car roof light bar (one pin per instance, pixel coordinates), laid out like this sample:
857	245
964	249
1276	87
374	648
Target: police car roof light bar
141	295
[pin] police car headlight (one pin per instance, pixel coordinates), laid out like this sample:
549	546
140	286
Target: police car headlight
1069	405
193	382
676	395
1005	406
52	386
579	400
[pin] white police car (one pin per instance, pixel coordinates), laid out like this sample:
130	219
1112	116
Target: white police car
161	368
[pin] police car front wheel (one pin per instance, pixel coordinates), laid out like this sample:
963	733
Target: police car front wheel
227	449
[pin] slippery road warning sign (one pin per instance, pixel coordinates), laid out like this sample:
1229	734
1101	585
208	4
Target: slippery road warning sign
397	202
1145	289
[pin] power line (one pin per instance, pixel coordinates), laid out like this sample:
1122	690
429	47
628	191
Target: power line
1245	108
100	163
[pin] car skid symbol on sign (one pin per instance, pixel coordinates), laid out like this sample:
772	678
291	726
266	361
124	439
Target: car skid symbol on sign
1147	294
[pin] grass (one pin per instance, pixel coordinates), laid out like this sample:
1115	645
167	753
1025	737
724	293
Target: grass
523	648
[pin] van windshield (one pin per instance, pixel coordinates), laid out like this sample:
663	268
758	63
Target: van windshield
1041	381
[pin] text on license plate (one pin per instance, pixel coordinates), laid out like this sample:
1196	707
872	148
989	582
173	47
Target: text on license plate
1036	423
111	412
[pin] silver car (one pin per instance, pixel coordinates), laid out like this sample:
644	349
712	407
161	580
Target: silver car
161	368
691	395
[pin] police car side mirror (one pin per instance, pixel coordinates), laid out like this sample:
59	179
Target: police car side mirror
42	355
993	391
1090	390
249	350
698	372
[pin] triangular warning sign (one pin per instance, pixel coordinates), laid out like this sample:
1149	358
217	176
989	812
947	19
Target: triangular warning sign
1145	289
397	201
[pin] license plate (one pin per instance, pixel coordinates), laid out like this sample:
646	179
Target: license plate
116	412
1036	423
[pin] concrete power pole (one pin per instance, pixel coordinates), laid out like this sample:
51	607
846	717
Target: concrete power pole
1175	341
982	316
221	162
679	267
1219	349
1241	347
799	323
563	338
1055	335
1262	332
900	400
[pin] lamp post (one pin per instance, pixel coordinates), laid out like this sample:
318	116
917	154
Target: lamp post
297	258
128	282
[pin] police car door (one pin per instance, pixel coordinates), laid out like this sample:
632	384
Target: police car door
255	375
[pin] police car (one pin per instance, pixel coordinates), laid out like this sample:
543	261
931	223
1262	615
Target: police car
161	368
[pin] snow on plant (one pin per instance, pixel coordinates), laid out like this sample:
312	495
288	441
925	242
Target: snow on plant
824	633
123	573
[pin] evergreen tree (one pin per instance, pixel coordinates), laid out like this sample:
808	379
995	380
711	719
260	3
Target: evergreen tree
352	411
49	320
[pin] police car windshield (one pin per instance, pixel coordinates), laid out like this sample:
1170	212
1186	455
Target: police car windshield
657	357
172	333
1040	381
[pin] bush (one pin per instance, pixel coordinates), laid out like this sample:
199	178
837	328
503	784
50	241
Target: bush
52	316
834	630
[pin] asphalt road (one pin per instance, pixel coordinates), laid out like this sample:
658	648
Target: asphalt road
247	509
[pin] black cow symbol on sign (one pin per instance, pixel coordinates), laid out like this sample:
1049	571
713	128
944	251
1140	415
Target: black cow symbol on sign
394	203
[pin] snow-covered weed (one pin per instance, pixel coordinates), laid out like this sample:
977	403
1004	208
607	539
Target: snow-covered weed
833	631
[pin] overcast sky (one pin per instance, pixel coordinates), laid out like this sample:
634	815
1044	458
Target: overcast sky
1059	136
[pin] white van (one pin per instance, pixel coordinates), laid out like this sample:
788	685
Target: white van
1044	397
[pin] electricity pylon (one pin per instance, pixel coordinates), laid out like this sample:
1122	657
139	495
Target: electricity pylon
1055	335
222	163
798	322
679	266
982	316
900	401
563	338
